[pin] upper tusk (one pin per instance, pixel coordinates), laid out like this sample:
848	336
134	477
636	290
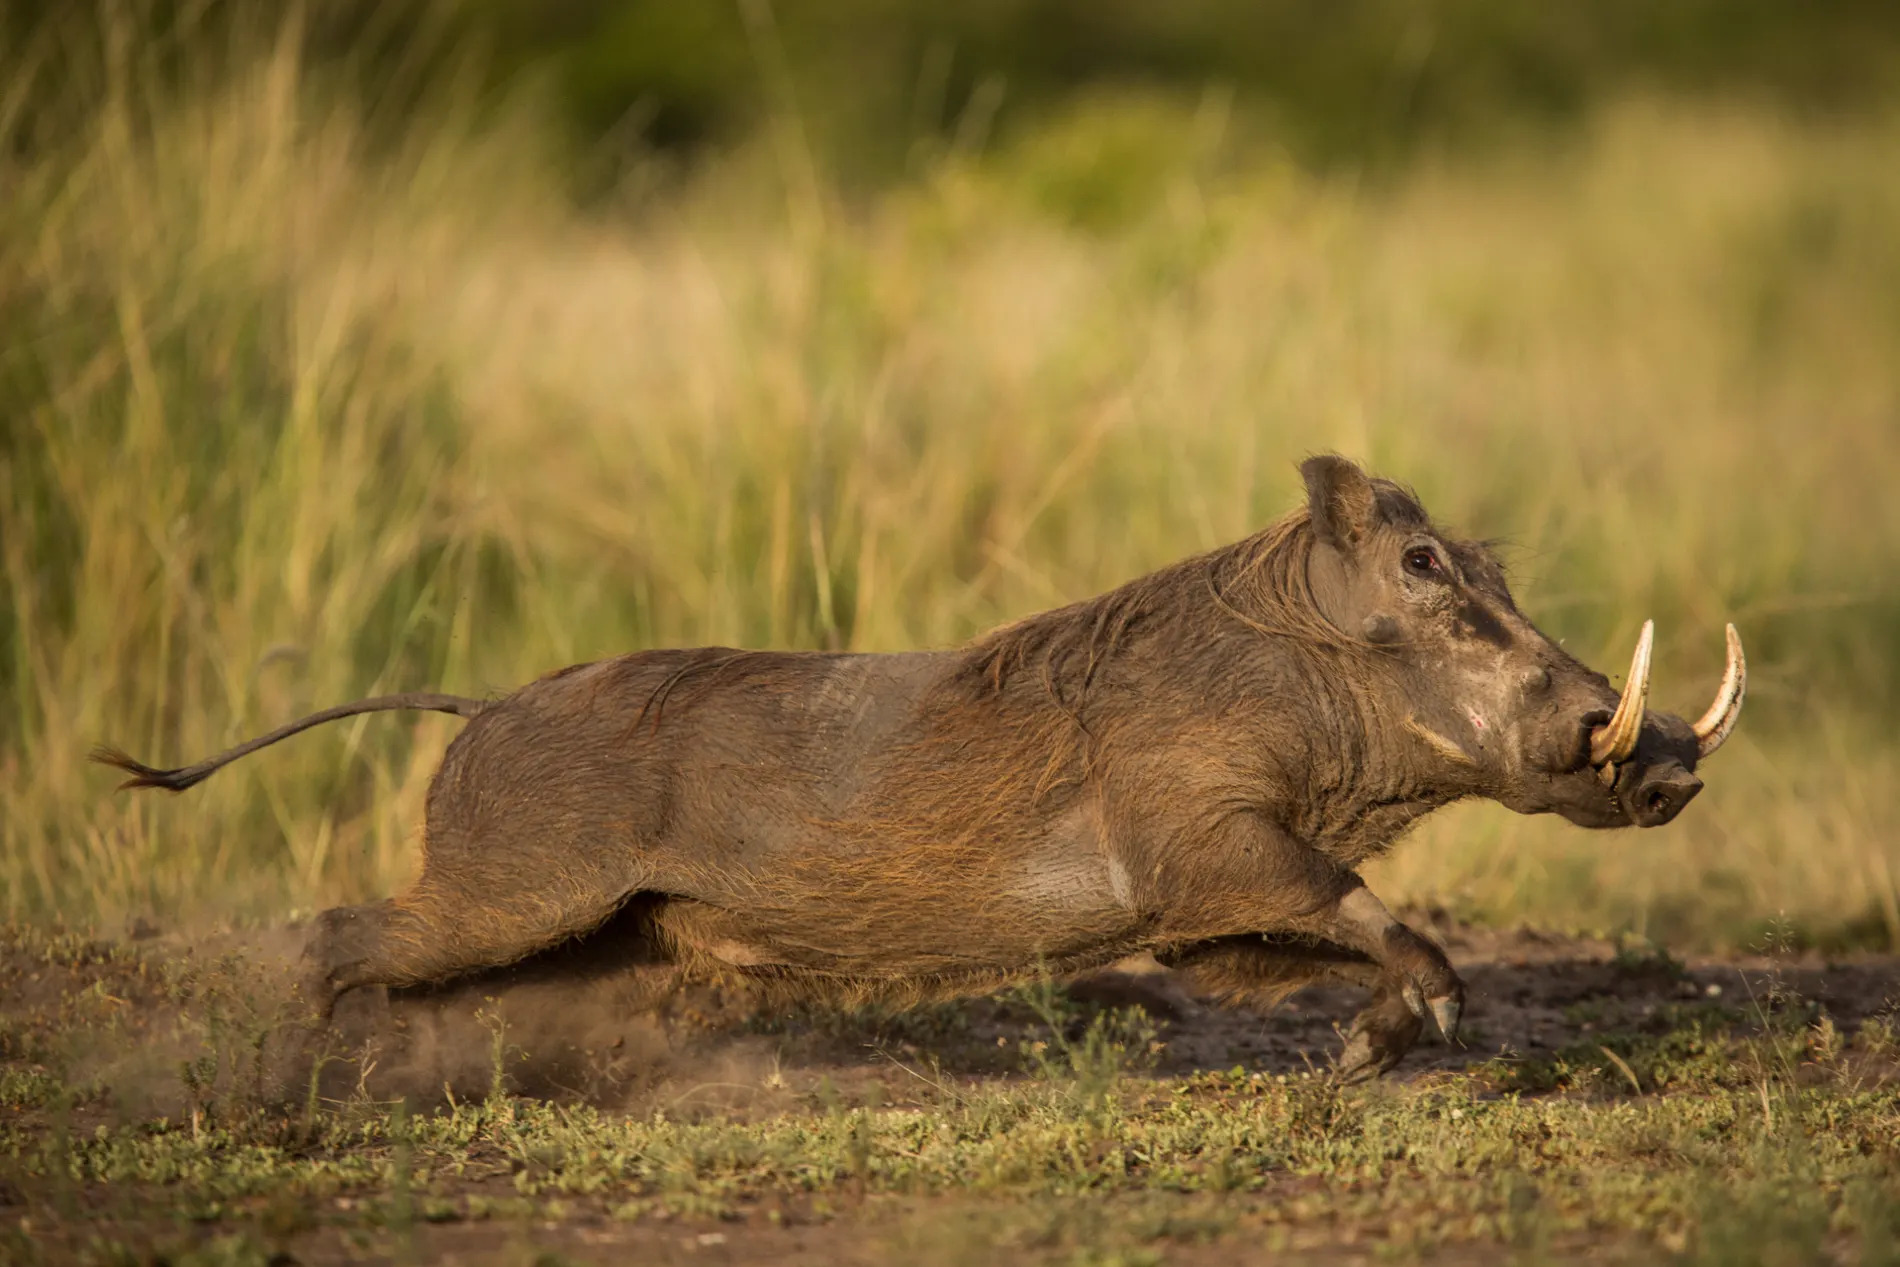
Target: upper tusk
1714	728
1615	740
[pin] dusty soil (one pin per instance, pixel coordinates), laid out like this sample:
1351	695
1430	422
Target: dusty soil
1531	995
561	1027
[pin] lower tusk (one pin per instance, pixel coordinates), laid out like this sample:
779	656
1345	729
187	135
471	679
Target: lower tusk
1713	730
1615	740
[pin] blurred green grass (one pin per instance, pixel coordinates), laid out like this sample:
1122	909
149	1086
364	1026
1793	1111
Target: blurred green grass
297	406
1363	83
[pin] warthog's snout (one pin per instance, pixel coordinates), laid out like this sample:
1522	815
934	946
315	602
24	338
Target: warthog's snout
1615	762
1616	740
1659	794
1650	758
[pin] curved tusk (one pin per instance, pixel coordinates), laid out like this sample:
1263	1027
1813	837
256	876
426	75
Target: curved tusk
1713	729
1615	740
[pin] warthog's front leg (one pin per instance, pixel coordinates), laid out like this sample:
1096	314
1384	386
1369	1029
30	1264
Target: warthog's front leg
1385	1029
1423	979
1251	876
1262	971
1296	889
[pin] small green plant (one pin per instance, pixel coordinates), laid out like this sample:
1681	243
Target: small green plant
499	1049
1086	1054
402	1202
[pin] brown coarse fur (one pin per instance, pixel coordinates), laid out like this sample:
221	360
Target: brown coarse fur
1191	765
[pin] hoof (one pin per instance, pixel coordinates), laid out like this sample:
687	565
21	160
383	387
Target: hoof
1380	1036
1446	1014
1358	1062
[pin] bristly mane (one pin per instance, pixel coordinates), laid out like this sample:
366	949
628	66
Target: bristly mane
1259	581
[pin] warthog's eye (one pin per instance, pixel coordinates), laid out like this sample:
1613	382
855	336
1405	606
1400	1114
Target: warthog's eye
1423	562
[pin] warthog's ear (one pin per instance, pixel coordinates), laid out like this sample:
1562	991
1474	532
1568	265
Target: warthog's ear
1341	501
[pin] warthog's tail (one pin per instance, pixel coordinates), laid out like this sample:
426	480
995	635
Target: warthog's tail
188	776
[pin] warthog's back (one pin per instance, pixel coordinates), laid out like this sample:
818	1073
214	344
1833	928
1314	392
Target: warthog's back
650	745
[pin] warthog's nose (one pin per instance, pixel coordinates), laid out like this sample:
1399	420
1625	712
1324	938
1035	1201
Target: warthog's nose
1660	795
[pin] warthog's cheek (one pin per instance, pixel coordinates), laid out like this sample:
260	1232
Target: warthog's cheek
1492	744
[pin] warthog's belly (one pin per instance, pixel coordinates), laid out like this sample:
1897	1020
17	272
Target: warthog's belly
1062	911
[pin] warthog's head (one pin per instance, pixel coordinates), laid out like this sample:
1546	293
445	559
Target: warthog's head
1493	703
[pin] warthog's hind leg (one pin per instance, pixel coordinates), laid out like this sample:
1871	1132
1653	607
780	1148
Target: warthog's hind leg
428	936
377	944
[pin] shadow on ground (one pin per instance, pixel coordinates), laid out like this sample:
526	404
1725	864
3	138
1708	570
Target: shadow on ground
1532	996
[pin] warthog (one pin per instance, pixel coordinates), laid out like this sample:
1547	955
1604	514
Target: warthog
1192	765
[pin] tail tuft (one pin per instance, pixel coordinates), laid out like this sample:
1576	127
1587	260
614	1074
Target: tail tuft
174	780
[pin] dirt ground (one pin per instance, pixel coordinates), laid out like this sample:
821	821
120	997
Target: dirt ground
1531	995
559	1029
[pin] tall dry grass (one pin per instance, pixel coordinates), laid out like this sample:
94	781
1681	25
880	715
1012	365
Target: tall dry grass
297	410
